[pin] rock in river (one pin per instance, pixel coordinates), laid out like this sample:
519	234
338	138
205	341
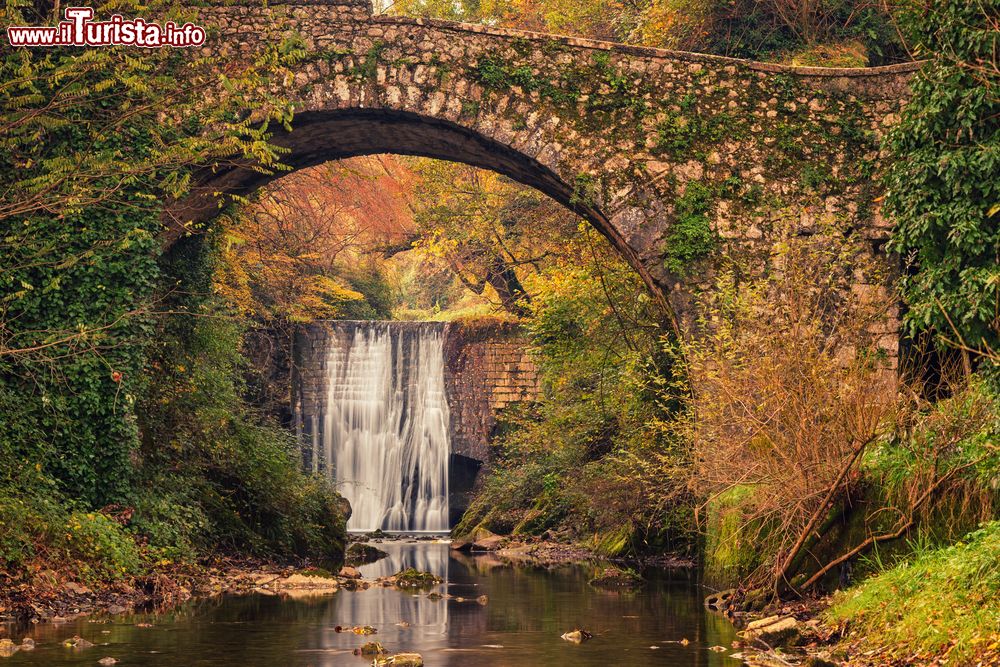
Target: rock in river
576	636
613	577
773	631
76	641
361	554
399	660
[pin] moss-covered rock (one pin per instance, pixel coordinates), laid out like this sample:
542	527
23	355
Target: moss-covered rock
413	578
361	554
614	577
731	552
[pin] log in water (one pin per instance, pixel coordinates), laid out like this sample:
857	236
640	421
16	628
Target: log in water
384	427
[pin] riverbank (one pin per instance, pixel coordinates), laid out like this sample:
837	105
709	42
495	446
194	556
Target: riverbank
58	597
541	551
55	598
940	606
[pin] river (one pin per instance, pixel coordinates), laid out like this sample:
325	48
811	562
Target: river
528	608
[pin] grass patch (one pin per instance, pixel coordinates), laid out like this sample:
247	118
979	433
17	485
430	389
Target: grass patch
944	601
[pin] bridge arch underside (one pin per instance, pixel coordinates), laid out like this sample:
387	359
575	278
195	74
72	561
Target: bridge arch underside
322	136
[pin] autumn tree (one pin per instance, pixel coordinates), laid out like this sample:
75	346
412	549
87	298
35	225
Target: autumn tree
490	230
301	250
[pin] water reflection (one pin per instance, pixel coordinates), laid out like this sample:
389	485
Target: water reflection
528	609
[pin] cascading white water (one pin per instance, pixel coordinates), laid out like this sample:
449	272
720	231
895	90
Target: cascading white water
385	427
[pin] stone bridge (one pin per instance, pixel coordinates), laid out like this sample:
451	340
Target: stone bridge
677	158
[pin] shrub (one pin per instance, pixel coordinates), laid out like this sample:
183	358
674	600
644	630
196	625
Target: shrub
944	183
45	531
96	548
237	473
791	389
591	460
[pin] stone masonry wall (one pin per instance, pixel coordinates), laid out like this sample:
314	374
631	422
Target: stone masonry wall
488	367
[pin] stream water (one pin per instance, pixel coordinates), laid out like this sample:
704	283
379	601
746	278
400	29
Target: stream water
520	626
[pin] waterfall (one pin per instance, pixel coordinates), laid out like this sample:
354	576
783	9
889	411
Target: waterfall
385	424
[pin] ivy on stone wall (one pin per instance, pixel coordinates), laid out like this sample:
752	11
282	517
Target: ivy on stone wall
92	141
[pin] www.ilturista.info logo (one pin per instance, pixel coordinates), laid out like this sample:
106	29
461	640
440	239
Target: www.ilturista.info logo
79	30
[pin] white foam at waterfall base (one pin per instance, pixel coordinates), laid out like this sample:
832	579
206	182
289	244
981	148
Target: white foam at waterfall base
385	427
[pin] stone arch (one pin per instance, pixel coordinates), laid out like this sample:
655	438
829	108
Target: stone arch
621	133
322	136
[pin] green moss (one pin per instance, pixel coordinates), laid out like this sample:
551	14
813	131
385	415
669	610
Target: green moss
368	68
615	542
496	73
470	108
565	86
584	191
413	578
691	236
816	176
785	87
682	130
730	549
521	46
851	53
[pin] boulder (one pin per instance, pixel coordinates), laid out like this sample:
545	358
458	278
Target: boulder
77	642
773	631
720	602
371	648
576	636
613	577
349	572
461	544
491	543
479	539
362	554
399	660
413	578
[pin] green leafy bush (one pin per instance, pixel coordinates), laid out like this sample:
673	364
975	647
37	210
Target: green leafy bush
97	548
944	184
237	473
45	531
